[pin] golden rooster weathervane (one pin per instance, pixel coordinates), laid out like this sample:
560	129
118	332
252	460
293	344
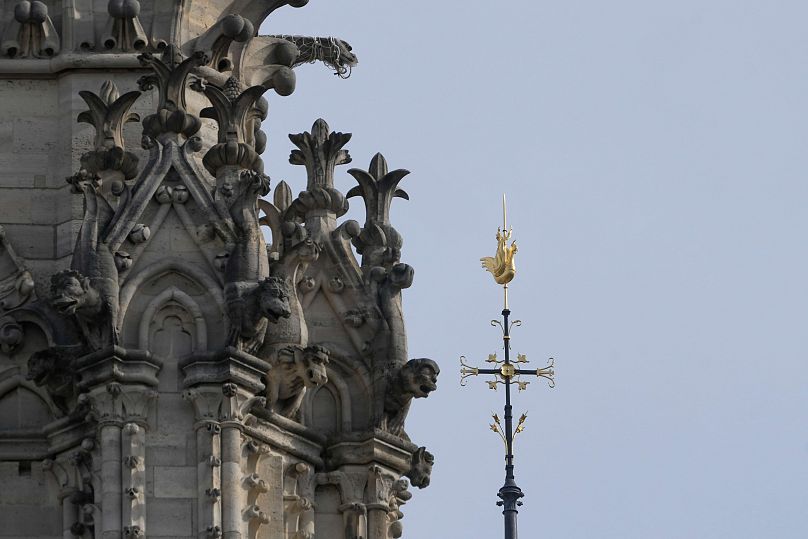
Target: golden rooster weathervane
507	372
502	265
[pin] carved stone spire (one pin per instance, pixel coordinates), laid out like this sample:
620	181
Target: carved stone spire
238	115
379	243
108	113
320	151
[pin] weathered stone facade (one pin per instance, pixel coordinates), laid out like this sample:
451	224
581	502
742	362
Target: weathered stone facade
166	371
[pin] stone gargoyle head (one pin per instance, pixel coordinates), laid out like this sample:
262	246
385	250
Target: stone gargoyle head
273	299
419	377
315	359
72	293
421	468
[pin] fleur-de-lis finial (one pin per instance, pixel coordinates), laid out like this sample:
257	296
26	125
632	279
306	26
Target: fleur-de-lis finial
238	115
108	113
170	74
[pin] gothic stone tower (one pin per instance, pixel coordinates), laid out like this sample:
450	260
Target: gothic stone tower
166	370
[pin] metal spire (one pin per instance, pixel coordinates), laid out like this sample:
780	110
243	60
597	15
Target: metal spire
507	372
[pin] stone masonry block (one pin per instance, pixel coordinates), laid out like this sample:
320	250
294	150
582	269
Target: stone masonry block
29	98
167	455
34	135
34	206
65	238
174	481
31	241
18	172
31	520
169	517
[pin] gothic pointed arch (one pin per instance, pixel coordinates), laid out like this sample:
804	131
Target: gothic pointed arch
174	295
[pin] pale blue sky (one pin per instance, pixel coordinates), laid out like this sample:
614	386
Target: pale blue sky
654	156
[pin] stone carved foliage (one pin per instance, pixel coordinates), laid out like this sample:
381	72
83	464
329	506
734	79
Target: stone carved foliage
170	76
387	491
108	113
378	243
124	31
294	372
31	33
320	151
116	403
238	115
300	501
333	52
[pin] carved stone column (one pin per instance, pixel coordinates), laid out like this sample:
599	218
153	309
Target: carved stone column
120	412
206	401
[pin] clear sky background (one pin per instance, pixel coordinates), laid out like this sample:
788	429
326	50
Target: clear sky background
655	157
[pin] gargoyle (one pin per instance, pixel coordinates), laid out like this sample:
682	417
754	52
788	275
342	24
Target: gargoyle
89	290
414	380
251	303
295	371
53	369
251	306
421	468
334	53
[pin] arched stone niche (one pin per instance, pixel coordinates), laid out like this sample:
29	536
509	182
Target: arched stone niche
24	414
324	410
173	325
341	404
172	309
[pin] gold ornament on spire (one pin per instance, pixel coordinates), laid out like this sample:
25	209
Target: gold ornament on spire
502	265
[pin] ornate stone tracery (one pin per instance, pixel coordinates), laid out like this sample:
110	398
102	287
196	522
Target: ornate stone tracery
177	359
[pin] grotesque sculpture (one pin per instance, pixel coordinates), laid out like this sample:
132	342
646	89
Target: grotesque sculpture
53	368
292	374
74	295
251	306
89	290
333	52
416	379
421	470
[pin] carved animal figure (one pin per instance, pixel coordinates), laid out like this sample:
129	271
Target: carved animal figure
291	331
421	468
295	371
251	306
414	380
89	290
502	265
250	303
53	369
335	53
